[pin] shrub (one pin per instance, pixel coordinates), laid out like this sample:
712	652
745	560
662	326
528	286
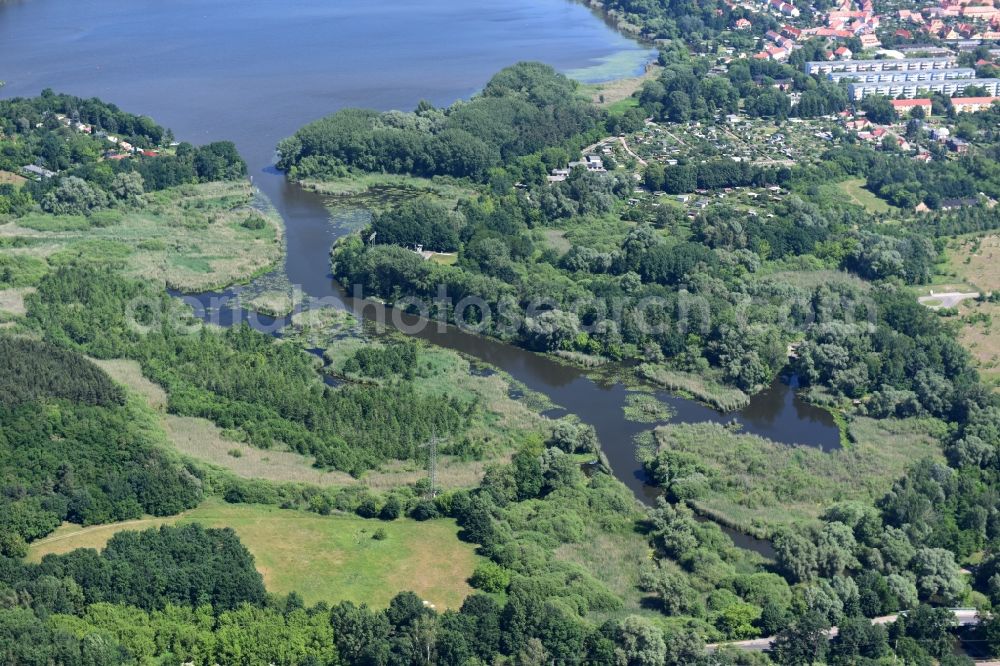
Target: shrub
490	577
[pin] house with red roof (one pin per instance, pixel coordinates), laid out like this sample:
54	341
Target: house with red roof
979	12
791	32
973	104
870	41
776	52
905	106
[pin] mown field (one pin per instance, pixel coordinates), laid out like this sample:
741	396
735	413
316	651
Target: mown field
757	485
8	178
854	189
192	237
323	558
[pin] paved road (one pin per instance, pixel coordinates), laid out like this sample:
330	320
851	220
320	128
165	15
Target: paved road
948	299
963	617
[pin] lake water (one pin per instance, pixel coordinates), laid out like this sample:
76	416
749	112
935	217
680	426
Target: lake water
255	72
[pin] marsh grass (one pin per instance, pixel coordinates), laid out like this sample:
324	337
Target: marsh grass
646	408
378	190
616	559
190	238
616	95
129	374
757	485
724	398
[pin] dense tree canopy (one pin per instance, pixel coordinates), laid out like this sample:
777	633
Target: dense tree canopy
522	110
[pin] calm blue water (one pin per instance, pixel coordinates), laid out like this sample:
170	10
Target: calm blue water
256	71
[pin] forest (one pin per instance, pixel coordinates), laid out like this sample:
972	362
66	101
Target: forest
193	594
548	303
73	449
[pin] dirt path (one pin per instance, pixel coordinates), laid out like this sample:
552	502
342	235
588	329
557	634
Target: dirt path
673	136
963	617
629	151
592	148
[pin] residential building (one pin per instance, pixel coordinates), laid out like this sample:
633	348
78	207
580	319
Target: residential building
952	204
973	104
869	40
898	65
910	89
905	106
904	76
957	145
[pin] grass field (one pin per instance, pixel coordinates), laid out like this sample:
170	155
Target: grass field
973	264
8	178
856	193
323	558
12	300
193	237
976	260
444	258
757	485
